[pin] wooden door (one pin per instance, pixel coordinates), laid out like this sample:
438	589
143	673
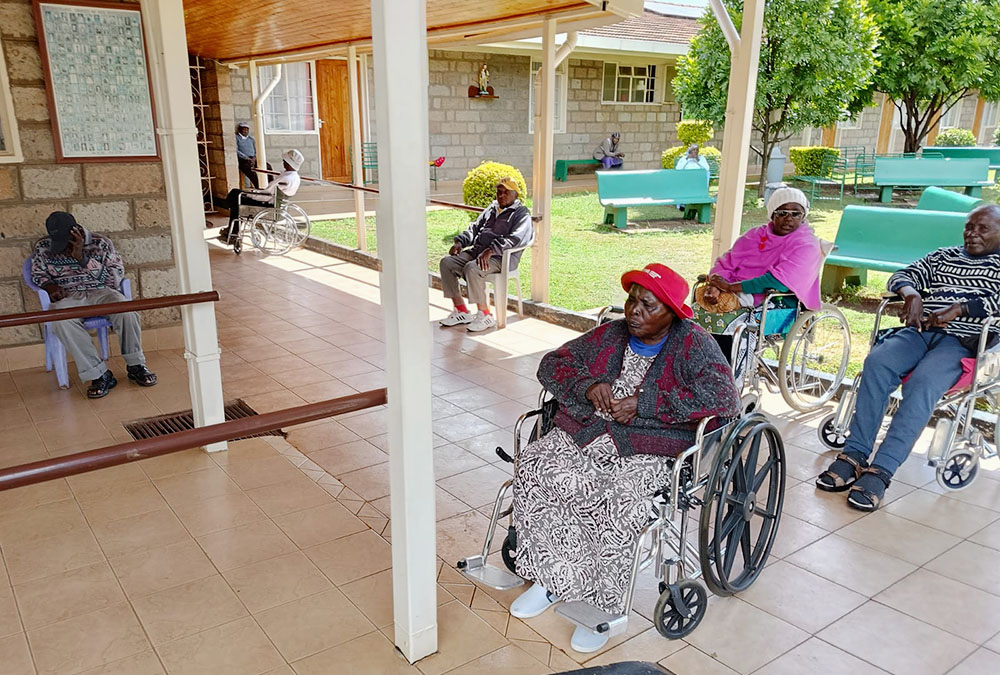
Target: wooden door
334	110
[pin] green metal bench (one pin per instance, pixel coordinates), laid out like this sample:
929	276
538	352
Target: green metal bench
619	190
562	166
713	168
972	174
939	199
886	240
832	171
991	153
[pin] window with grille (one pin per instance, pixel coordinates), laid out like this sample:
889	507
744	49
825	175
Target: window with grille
628	84
290	107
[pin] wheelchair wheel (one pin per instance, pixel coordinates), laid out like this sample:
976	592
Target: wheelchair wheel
958	470
743	500
814	358
828	435
680	609
509	550
302	224
272	236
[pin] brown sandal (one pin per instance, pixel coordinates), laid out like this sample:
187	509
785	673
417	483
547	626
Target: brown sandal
869	490
841	474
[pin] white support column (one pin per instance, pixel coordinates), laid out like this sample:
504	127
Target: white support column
167	47
736	140
358	172
399	36
542	169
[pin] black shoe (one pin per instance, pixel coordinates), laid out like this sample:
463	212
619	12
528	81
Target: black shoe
100	387
141	375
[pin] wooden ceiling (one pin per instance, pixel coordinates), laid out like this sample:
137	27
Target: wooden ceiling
238	29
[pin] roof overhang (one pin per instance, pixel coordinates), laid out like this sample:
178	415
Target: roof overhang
588	45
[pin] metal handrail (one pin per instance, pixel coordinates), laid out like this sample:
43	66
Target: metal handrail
43	316
113	455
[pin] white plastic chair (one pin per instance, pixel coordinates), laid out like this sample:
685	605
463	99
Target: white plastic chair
500	279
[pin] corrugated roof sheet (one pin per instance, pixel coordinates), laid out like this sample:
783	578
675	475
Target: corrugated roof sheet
652	27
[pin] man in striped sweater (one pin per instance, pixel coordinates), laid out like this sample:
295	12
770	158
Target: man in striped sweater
946	296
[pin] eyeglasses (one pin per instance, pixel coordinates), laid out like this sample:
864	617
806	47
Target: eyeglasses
782	213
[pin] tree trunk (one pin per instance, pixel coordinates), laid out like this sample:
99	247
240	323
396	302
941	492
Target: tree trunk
766	145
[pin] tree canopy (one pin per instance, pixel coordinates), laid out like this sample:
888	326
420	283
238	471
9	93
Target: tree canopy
817	60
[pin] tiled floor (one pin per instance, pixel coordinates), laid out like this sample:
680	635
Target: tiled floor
275	556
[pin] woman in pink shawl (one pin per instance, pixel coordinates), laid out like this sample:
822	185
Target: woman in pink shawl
783	255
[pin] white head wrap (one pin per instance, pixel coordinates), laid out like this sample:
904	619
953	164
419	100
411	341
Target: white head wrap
294	158
787	195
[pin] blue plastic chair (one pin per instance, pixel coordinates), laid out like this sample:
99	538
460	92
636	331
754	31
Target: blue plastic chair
55	350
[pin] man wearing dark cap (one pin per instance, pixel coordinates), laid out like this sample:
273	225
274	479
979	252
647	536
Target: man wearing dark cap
246	153
78	267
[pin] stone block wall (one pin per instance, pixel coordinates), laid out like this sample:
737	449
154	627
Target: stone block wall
124	200
866	132
220	126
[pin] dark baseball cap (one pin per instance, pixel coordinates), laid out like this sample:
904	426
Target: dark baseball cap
59	224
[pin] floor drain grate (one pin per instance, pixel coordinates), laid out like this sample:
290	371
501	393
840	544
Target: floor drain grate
171	423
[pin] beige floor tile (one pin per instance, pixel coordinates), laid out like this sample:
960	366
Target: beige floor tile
477	487
197	486
139	533
301	376
326	434
122	474
484	446
141	664
348	457
462	426
959	609
794	534
85	430
988	536
187	461
188	609
245	545
971	564
801	598
261	472
248	449
10	620
559	631
818	658
463	535
370	653
63	596
904	644
21	444
30	496
352	557
319	524
41	522
979	662
366	424
276	581
369	483
690	660
984	493
863	570
237	648
994	643
157	569
373	596
115	502
899	537
37	558
942	513
509	660
15	655
827	510
451	459
646	646
462	637
309	625
218	513
87	641
742	636
288	496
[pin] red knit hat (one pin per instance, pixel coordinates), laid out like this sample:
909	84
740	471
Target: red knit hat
664	283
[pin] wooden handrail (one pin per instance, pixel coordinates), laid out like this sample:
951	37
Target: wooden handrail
8	320
113	455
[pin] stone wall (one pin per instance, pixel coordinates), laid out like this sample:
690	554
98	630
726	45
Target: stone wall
220	123
124	200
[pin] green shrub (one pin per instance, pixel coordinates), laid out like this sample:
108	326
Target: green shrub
668	159
694	131
808	160
950	138
480	185
996	136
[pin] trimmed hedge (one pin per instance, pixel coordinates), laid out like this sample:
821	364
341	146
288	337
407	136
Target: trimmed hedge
670	156
808	160
951	138
480	185
694	131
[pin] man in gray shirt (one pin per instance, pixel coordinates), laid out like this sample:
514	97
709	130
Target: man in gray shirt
246	153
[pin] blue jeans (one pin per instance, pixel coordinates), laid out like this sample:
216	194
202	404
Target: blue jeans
934	360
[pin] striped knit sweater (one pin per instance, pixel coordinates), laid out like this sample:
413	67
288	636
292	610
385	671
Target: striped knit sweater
950	275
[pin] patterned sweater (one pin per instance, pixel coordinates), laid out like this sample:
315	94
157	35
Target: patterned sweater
950	275
101	267
688	380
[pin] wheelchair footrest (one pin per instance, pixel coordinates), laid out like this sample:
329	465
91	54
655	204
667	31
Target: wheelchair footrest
476	569
588	616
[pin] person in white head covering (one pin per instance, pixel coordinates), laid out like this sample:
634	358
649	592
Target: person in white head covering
287	182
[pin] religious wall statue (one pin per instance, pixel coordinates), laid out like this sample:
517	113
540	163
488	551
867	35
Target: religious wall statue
484	80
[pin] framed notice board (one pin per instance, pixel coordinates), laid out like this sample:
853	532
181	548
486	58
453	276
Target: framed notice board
97	80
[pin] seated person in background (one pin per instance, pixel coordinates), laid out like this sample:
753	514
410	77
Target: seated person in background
78	267
607	152
631	393
947	294
287	181
692	160
784	255
477	253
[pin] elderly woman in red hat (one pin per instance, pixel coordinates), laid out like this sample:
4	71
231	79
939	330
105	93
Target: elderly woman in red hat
631	393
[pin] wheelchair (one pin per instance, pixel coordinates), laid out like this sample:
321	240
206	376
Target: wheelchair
801	353
735	475
273	229
959	442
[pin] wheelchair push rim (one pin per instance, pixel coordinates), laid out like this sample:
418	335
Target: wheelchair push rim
273	236
743	501
302	224
814	358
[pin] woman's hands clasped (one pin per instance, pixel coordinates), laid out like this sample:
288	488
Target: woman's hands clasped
621	410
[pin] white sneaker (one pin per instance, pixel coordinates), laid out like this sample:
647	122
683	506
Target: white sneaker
455	318
482	322
586	641
532	602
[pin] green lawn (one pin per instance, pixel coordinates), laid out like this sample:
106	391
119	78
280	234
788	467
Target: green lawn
588	257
